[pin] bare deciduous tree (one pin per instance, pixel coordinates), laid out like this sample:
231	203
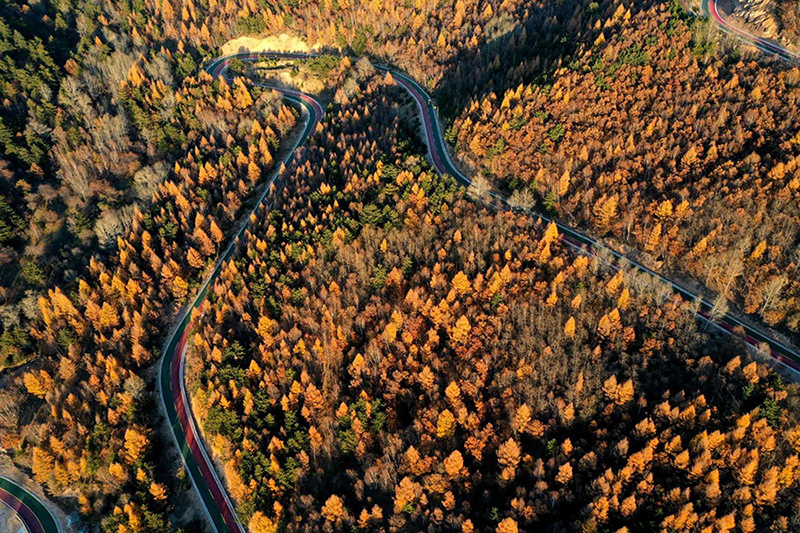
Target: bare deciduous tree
73	169
522	199
113	223
146	180
480	187
719	309
364	68
9	409
771	291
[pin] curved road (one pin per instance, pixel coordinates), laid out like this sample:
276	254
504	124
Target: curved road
33	513
174	396
710	8
728	323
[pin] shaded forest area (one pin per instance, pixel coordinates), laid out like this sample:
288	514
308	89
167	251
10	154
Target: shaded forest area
459	369
635	121
651	140
381	354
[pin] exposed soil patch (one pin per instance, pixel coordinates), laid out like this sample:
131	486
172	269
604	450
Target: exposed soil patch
275	43
9	521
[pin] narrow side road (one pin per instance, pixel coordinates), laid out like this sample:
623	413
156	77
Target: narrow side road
33	513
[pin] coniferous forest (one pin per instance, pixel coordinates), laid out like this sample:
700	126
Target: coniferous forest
386	348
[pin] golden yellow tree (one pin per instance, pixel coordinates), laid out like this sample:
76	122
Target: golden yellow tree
453	464
38	383
43	463
664	210
445	424
461	329
158	491
333	510
260	523
563	184
118	471
453	393
522	419
179	287
564	473
108	316
194	258
406	492
628	506
242	95
461	283
427	378
569	327
508	455
654	239
136	443
507	525
605	210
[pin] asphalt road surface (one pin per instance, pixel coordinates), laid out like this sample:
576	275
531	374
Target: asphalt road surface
36	517
212	492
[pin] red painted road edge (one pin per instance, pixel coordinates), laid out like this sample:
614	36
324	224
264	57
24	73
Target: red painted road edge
426	119
193	439
180	400
764	45
25	513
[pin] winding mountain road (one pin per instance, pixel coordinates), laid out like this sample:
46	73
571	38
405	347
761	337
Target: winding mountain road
35	515
728	323
174	396
710	8
175	399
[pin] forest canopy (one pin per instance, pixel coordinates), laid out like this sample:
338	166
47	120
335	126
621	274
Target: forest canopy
383	351
409	359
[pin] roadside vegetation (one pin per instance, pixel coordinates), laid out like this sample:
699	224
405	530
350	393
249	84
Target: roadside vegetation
381	352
